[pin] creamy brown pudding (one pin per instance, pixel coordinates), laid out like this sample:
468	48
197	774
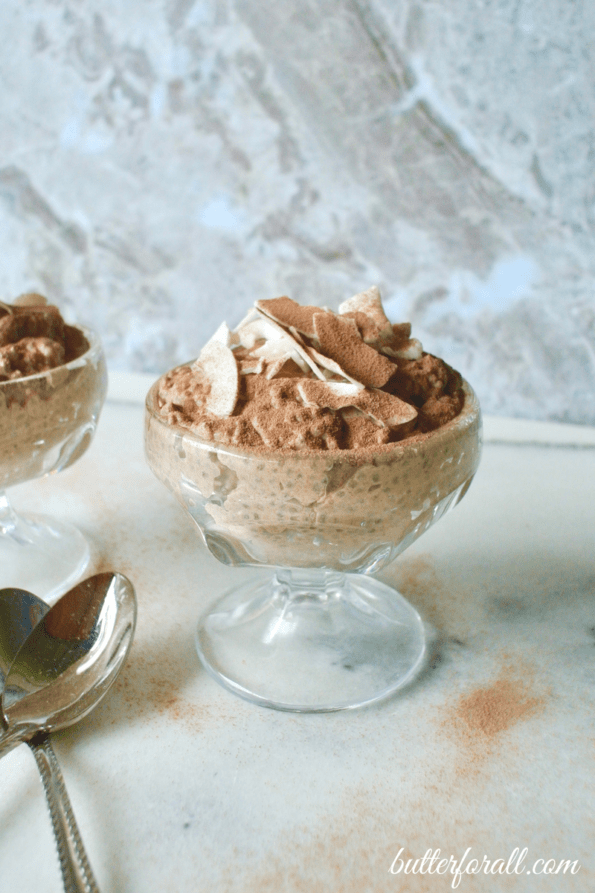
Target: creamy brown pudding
309	438
52	384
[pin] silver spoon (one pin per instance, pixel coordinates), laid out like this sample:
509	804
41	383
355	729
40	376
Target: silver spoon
20	612
63	669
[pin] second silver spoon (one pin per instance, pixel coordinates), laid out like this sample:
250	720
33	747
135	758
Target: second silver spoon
66	665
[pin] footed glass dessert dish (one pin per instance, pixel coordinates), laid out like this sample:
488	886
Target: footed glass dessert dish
47	421
317	632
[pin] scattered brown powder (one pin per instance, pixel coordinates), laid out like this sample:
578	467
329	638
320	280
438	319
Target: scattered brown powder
479	720
363	434
340	342
415	577
496	707
290	313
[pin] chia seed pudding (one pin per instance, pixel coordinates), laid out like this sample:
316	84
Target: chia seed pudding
306	438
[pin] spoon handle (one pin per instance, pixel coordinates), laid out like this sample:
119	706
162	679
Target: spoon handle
77	875
9	740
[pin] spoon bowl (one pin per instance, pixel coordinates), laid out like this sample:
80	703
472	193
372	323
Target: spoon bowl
71	659
20	612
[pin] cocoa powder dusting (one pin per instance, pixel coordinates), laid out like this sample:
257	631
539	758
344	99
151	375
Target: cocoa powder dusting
338	340
290	313
479	719
277	393
495	708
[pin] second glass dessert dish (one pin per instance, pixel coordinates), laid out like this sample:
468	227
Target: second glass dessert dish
315	631
53	382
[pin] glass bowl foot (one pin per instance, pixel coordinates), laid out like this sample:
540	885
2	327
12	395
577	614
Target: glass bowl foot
312	641
42	555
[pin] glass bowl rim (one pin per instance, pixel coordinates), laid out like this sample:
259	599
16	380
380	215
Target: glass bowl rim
470	412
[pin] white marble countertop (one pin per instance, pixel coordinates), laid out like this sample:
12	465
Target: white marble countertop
180	786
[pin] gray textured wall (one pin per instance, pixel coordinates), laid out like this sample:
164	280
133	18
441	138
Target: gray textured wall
165	162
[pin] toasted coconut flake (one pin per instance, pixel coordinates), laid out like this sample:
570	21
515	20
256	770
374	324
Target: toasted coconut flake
386	410
369	331
281	349
251	315
277	344
251	365
328	394
284	368
383	409
257	329
290	314
298	352
358	361
329	365
218	366
408	350
370	303
224	335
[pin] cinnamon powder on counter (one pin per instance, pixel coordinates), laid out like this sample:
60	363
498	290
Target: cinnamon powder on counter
495	708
